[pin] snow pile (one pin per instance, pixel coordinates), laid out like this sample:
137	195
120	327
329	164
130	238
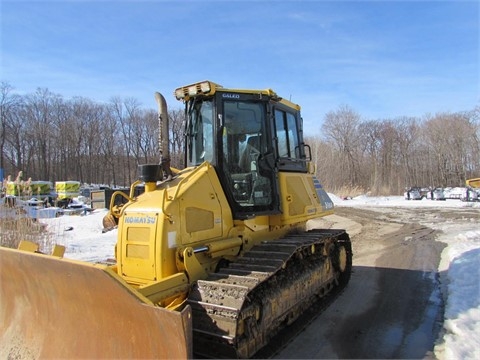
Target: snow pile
462	313
82	236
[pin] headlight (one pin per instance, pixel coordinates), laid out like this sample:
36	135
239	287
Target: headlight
204	87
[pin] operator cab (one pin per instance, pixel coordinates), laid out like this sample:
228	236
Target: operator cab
248	136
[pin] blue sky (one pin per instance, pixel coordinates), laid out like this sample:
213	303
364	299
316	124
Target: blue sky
384	59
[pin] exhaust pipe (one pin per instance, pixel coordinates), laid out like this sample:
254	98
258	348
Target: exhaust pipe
163	138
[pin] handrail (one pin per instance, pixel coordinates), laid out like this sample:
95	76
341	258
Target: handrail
129	198
132	188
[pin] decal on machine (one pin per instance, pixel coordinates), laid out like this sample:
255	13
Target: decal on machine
172	239
231	96
140	219
325	200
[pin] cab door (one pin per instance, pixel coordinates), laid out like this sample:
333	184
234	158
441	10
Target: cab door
246	164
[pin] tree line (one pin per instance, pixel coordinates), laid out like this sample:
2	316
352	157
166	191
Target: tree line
56	139
51	138
385	156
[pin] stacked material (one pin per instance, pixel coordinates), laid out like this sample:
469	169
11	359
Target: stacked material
40	188
13	189
67	189
33	188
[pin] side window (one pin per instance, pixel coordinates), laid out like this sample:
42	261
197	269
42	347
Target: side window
200	133
287	136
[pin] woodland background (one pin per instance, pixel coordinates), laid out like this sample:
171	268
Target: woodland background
52	138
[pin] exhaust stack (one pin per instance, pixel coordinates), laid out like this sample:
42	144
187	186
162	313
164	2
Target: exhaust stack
163	138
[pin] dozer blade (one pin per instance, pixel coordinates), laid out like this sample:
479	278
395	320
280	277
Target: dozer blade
58	308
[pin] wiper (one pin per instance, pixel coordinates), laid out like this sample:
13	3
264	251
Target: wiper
189	127
191	135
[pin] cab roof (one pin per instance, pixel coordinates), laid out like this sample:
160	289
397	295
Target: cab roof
209	88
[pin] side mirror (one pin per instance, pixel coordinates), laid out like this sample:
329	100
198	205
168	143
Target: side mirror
308	152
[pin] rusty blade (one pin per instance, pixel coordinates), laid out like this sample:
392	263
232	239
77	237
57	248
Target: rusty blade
59	308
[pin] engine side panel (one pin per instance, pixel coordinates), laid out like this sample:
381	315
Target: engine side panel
302	198
190	210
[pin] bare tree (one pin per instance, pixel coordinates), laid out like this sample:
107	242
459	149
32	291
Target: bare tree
369	131
16	140
8	106
341	127
151	136
177	137
41	110
324	157
452	139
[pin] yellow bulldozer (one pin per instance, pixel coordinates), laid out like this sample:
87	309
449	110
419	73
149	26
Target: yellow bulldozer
212	260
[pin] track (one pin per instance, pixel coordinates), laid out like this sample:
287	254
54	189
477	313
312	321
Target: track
239	309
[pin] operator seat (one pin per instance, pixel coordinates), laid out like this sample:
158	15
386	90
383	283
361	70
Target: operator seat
250	153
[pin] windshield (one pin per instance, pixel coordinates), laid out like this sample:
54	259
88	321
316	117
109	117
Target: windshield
199	132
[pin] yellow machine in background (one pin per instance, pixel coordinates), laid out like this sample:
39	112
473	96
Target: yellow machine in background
474	183
213	259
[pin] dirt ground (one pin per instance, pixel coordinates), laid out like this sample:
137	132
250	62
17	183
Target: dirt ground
393	305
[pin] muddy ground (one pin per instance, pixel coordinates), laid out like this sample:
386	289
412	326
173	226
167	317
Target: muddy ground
393	305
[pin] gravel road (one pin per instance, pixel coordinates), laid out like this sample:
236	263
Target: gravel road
393	305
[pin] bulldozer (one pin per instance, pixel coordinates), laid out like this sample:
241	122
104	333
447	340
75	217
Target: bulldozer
212	260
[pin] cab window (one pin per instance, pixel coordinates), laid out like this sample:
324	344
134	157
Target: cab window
287	135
